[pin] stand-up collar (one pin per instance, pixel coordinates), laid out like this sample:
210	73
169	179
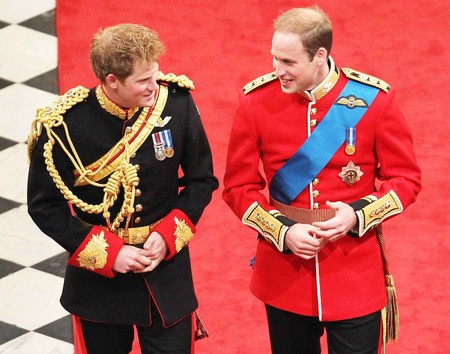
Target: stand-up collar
111	107
325	86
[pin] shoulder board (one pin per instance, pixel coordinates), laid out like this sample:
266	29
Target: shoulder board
181	80
366	79
258	82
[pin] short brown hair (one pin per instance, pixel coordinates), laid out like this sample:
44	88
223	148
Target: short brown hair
115	49
311	24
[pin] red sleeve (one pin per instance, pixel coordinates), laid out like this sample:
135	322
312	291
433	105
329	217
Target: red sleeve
243	181
398	171
176	229
98	252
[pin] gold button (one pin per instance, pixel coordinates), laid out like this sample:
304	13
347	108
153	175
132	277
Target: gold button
313	111
315	181
315	194
127	130
316	206
313	122
138	193
138	167
139	207
137	220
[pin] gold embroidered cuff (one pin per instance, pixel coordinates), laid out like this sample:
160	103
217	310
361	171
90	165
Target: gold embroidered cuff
266	224
177	230
98	251
377	211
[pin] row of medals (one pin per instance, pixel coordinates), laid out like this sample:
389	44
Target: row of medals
161	151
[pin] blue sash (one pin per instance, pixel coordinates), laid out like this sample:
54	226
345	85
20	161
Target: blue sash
322	144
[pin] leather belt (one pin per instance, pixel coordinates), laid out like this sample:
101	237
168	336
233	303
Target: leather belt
303	216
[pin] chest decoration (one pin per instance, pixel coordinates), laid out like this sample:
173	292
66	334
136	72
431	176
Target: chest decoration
350	174
350	140
163	122
163	145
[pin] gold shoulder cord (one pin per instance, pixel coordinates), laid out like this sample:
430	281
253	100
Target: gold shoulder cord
125	175
181	80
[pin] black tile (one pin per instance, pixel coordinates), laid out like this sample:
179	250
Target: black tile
44	22
6	204
6	143
4	83
55	265
7	267
46	82
60	329
3	24
9	332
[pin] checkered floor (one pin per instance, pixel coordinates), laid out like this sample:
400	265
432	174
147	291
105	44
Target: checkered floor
31	264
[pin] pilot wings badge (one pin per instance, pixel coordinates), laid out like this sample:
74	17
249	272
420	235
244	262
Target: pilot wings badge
351	101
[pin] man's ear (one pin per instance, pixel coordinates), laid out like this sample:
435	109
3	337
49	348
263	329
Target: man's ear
112	81
321	56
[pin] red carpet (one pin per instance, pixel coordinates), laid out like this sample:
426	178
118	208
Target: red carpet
223	45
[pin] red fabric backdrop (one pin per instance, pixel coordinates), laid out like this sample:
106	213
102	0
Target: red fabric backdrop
223	45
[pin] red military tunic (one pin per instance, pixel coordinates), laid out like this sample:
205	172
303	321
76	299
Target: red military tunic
269	127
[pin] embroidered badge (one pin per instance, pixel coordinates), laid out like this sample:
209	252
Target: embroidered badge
94	254
183	234
163	122
350	174
351	101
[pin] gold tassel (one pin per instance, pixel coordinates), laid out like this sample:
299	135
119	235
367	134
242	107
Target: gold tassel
200	330
389	315
391	321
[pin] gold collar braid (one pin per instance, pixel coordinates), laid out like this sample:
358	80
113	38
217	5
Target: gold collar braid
325	86
109	106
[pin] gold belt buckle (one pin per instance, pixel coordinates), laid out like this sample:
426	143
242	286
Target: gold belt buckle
134	235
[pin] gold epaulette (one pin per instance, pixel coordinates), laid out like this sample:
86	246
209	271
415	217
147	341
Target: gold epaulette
366	79
258	82
53	114
181	80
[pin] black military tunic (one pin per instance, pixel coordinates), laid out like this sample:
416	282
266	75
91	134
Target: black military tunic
177	185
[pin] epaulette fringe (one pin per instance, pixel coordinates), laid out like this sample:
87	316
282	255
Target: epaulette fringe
181	80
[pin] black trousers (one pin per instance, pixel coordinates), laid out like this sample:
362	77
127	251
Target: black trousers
291	333
102	338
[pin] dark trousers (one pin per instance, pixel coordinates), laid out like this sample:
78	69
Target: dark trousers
101	338
296	334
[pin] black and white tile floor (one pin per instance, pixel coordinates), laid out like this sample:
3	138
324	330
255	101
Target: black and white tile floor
31	265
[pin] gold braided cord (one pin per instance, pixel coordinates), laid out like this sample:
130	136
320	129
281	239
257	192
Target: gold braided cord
125	176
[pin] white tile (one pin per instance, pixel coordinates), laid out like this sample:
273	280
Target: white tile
21	10
14	183
30	299
22	242
18	109
37	344
26	53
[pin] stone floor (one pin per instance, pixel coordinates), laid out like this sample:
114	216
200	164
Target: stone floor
31	264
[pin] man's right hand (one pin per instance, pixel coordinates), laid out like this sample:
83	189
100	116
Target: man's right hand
300	239
130	259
